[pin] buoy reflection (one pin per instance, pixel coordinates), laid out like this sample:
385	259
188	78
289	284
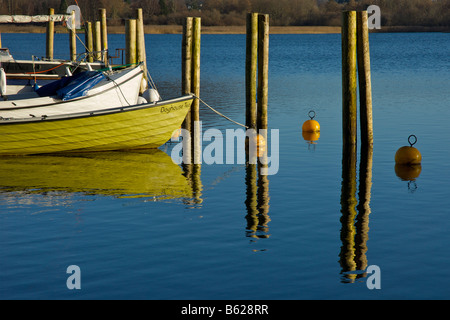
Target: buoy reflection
311	139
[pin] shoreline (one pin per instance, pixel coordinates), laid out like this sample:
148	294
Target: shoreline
176	29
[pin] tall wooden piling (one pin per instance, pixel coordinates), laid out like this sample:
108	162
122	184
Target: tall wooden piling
50	34
365	87
263	70
195	89
251	65
104	34
73	38
140	40
349	82
130	41
186	66
89	42
195	78
97	40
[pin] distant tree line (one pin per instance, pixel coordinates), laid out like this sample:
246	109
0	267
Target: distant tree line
233	12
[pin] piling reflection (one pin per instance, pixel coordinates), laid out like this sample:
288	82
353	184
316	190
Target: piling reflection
355	216
257	202
147	174
193	172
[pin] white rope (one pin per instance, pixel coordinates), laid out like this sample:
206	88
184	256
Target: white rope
220	114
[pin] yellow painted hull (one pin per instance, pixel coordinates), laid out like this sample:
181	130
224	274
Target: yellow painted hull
143	173
139	126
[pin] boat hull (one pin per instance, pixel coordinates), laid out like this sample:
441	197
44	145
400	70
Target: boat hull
138	126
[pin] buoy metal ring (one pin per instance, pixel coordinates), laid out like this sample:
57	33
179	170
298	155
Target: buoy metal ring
409	140
313	114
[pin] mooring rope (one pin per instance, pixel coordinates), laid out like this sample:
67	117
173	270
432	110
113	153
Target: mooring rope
220	114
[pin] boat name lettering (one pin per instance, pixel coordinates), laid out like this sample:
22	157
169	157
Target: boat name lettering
172	108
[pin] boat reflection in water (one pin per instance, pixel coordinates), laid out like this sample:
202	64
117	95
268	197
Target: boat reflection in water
145	173
355	216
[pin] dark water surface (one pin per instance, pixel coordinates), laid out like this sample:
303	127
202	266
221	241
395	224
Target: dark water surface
138	229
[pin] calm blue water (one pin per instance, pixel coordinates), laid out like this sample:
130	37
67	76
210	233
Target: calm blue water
136	242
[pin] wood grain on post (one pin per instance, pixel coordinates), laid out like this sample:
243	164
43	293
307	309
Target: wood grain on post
195	78
50	35
104	34
89	42
251	66
97	40
349	82
186	66
195	88
130	41
73	38
365	86
263	70
140	35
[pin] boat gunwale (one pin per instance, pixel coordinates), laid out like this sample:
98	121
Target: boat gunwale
95	113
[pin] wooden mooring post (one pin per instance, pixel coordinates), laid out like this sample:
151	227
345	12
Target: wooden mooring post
263	70
186	66
190	79
73	38
104	34
89	42
257	70
349	81
130	41
256	78
365	86
251	67
140	39
50	34
356	64
97	40
195	87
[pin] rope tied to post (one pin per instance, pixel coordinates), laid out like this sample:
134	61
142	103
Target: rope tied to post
220	114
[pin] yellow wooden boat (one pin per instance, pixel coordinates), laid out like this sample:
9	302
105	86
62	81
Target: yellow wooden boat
146	125
93	111
140	173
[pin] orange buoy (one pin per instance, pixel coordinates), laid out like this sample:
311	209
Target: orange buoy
176	134
259	142
261	145
408	155
311	125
